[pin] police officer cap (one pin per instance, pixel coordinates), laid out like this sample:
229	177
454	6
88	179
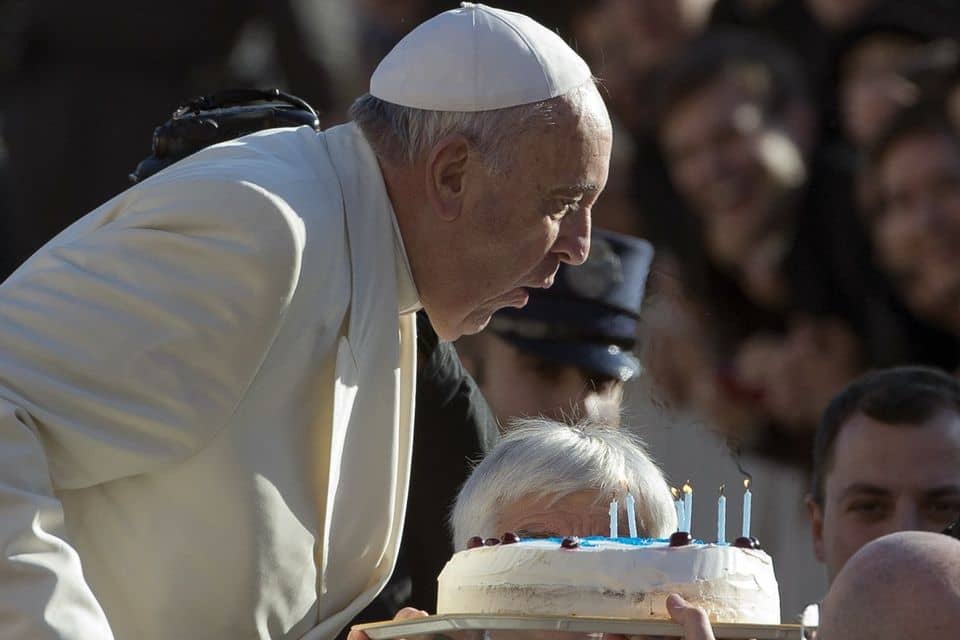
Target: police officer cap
588	318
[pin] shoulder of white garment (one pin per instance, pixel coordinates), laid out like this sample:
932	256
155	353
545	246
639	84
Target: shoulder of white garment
135	334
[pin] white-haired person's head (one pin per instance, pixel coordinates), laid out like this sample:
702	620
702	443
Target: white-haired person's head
402	135
548	478
493	158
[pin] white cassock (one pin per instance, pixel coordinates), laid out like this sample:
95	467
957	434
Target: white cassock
206	401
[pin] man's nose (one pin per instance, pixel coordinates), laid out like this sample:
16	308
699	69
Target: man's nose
906	518
573	243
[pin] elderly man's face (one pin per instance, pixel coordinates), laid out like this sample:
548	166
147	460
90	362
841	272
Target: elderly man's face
886	478
917	231
585	513
519	384
518	227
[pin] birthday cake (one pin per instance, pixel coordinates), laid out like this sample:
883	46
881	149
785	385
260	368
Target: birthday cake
609	577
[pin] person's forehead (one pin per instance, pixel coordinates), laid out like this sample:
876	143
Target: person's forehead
724	101
878	52
565	161
883	455
548	512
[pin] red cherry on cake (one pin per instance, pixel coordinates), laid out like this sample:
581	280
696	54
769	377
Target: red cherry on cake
509	538
570	542
680	539
491	542
474	542
743	543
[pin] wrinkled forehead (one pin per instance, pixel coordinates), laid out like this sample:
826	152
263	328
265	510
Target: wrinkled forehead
580	513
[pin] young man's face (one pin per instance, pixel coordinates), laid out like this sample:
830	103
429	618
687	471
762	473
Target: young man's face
517	384
886	478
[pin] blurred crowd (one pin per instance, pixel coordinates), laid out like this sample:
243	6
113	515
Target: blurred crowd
795	164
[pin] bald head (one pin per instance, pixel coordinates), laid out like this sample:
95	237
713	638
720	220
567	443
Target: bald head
903	585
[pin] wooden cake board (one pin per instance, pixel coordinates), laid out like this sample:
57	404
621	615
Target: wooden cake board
450	623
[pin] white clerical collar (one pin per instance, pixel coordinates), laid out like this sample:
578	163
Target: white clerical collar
362	185
408	298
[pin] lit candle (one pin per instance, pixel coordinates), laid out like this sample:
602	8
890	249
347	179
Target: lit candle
678	505
688	506
613	519
631	516
721	517
747	506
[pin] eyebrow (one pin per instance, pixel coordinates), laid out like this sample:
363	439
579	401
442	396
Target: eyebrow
861	487
945	491
873	490
573	189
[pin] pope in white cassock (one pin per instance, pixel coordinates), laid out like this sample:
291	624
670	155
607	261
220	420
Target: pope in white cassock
206	384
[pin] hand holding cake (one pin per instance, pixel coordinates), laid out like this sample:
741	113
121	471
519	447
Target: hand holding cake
693	620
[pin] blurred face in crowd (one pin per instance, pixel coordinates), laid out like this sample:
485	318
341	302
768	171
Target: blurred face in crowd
838	14
627	40
872	88
917	230
518	384
886	478
953	105
502	233
730	163
644	33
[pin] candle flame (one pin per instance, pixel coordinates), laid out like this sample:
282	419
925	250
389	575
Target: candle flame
687	488
721	489
746	484
675	492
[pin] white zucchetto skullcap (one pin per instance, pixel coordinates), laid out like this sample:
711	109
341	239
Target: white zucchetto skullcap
477	58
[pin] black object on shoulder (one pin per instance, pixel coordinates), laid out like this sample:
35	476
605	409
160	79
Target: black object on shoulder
954	529
222	116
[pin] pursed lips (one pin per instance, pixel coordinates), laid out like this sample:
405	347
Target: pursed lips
544	281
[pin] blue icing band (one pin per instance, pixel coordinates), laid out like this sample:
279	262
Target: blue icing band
591	541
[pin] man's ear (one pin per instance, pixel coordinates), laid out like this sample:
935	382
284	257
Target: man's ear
815	513
446	176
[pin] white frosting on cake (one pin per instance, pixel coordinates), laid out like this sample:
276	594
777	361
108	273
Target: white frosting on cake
610	578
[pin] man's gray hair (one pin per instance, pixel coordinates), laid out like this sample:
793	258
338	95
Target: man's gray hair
401	134
547	459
